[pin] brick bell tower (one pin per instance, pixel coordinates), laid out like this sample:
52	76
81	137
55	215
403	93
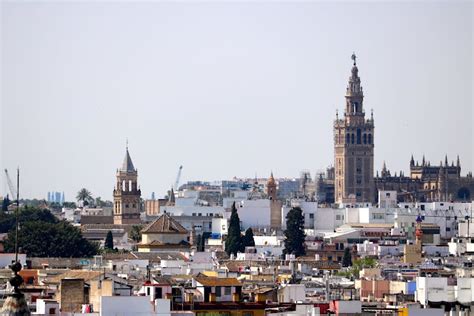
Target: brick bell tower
127	194
354	147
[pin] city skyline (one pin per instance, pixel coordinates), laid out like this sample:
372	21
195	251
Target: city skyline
224	110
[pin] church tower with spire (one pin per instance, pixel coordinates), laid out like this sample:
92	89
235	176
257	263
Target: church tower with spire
354	147
127	193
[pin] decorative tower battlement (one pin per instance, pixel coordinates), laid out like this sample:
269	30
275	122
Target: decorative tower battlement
127	194
354	147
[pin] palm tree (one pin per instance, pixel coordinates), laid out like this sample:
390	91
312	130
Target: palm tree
84	195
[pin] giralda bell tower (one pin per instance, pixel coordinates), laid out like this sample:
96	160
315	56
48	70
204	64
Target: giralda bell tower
354	147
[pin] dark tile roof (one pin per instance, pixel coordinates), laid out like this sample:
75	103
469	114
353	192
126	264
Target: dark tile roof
127	165
165	225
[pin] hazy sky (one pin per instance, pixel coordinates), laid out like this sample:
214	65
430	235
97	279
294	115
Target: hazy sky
225	89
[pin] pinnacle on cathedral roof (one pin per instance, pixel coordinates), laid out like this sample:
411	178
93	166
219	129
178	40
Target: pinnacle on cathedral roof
127	165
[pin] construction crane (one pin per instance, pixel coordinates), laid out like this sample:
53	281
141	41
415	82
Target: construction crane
10	185
177	178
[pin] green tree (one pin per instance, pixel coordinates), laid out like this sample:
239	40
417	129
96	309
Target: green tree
360	264
99	202
199	243
84	196
109	241
5	203
26	214
136	233
347	258
294	233
69	205
248	240
43	239
233	240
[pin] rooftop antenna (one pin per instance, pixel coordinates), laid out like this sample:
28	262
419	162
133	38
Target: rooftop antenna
17	211
15	304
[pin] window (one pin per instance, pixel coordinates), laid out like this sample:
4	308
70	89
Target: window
311	216
338	217
377	216
227	290
52	311
448	229
370	138
218	291
329	258
194	214
199	214
358	136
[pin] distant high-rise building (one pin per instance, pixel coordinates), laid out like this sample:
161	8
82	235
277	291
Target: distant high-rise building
127	194
55	197
354	147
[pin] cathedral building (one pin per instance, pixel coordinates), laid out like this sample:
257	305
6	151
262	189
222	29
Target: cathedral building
127	194
427	182
353	178
354	147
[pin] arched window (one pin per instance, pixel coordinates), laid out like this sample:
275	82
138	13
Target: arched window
352	138
365	139
358	136
348	138
370	138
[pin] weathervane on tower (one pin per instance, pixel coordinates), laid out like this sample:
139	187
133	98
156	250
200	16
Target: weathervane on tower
354	57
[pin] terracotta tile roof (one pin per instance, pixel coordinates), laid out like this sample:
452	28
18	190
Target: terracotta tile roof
212	281
75	274
165	225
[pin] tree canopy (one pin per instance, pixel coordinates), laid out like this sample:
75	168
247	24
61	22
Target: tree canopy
45	239
347	258
247	239
84	196
5	203
136	233
294	233
233	240
109	241
26	214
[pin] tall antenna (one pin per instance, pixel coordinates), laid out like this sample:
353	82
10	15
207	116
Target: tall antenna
15	304
17	211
